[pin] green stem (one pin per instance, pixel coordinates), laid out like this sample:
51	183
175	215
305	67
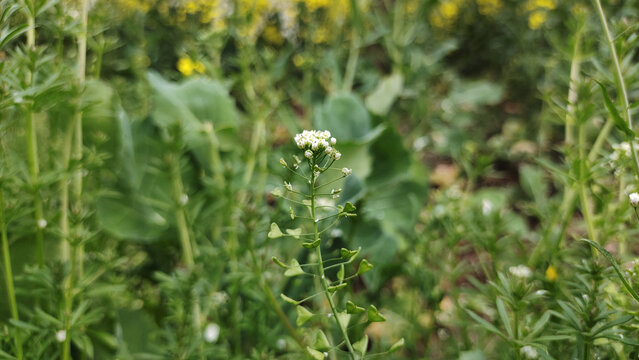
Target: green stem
321	268
575	66
353	54
583	178
180	217
620	82
9	275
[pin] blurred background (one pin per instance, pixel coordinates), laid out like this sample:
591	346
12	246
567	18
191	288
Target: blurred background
141	143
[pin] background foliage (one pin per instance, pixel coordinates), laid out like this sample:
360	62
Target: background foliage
136	182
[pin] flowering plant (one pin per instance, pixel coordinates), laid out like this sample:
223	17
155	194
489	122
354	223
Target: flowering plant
320	154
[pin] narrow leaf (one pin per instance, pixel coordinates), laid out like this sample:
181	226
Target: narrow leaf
503	315
612	109
614	264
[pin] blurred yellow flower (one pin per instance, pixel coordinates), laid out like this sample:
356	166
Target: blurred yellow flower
489	7
536	19
551	273
272	35
298	60
186	66
445	14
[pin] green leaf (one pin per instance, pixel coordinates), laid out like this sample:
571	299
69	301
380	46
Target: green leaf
364	266
303	315
539	326
279	263
351	308
320	341
475	93
397	345
384	95
485	324
275	232
4	355
612	109
345	116
317	355
503	315
605	326
124	219
615	266
294	269
289	300
362	345
334	288
374	315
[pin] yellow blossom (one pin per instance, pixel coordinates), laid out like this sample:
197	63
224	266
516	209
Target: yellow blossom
489	7
536	19
298	60
551	273
272	35
186	66
445	14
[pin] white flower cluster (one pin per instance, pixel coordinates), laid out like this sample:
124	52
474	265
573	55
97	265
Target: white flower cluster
317	141
634	199
520	271
529	352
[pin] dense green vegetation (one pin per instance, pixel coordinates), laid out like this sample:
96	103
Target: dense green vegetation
476	197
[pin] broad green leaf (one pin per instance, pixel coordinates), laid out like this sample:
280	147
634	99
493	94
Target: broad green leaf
361	345
127	219
374	315
275	232
615	266
384	95
345	116
294	269
364	266
397	345
391	160
303	315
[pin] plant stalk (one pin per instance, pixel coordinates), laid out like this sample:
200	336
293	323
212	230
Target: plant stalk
8	276
321	268
620	83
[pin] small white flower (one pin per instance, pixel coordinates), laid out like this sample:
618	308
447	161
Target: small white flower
61	335
529	352
634	199
288	186
346	171
308	154
333	141
283	162
337	155
486	207
520	271
325	354
42	223
184	199
211	333
336	191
